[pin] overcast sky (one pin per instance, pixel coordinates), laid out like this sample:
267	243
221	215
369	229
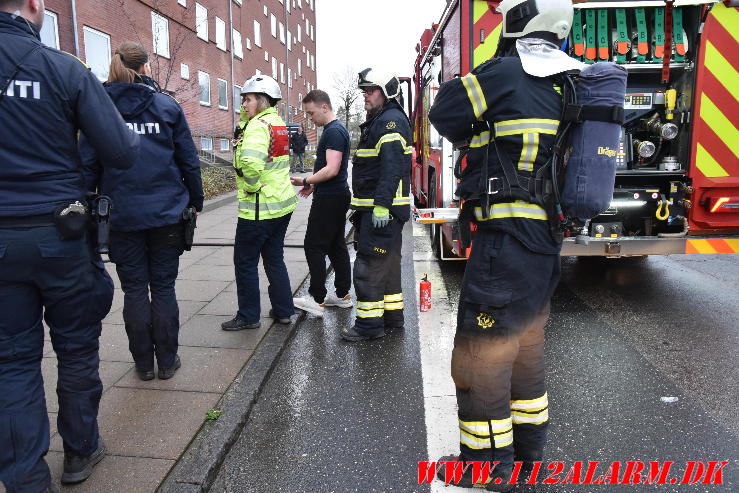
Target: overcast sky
370	33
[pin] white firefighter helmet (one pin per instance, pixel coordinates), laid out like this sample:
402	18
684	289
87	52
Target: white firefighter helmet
389	84
521	17
262	84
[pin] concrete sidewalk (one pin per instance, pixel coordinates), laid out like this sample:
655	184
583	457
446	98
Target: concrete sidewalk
148	425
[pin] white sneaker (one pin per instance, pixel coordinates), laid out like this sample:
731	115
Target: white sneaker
332	300
308	304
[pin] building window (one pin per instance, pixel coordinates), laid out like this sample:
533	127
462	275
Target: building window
206	144
266	56
184	71
274	68
300	67
238	1
225	145
289	78
160	34
300	34
201	21
237	47
220	34
204	81
257	34
313	62
282	33
290	41
182	2
50	30
307	58
273	25
282	73
237	98
312	32
222	94
97	52
266	12
248	44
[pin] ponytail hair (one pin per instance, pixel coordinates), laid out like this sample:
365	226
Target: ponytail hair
127	61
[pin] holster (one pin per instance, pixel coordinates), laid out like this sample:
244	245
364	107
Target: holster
101	207
189	223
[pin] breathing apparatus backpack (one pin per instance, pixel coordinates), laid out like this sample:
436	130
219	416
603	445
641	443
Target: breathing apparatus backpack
582	160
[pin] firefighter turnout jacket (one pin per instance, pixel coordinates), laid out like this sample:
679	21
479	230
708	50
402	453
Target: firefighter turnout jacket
262	162
381	167
522	114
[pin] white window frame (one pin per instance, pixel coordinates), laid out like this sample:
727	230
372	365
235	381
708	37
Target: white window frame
160	24
257	33
300	34
220	34
222	84
201	24
237	98
312	32
200	86
289	40
282	33
289	77
266	12
266	56
182	2
282	73
236	45
51	21
273	25
225	145
247	42
209	146
185	71
274	68
313	62
300	67
104	67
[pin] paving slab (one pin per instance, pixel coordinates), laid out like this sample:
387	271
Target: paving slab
205	331
116	473
200	272
149	423
203	370
189	290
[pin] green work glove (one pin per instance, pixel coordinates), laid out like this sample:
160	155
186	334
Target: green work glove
380	216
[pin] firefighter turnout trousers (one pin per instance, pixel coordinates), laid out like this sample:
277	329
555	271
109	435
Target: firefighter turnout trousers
377	275
498	357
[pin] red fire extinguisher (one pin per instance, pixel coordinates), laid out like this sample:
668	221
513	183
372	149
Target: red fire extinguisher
425	294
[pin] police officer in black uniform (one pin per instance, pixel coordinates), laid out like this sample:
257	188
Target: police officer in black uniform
47	265
505	115
380	185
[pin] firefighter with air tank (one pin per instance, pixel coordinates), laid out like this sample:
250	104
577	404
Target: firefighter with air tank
506	113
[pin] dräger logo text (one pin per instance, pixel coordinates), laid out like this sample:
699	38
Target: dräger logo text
607	151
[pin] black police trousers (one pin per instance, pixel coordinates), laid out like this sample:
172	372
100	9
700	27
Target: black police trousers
377	275
498	357
40	274
147	262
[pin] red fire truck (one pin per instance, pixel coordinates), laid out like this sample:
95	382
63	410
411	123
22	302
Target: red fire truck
677	181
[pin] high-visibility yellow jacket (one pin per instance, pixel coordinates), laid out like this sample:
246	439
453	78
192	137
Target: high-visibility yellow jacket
262	162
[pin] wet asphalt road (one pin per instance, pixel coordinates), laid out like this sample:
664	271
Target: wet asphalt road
624	333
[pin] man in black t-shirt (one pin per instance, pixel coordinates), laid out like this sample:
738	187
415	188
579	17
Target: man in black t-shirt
331	196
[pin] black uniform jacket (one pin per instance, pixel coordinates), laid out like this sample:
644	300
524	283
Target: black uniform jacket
381	167
50	97
523	112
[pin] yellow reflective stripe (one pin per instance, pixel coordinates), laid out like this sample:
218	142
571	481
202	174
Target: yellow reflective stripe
530	418
369	305
357	202
367	153
721	125
722	69
528	152
477	427
481	139
391	137
474	92
500	425
707	164
399	305
372	314
472	441
526	125
727	17
503	440
393	297
515	209
530	404
253	153
408	150
251	180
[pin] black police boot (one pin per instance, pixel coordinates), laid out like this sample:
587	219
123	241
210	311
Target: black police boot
280	320
77	469
238	323
496	480
145	375
166	374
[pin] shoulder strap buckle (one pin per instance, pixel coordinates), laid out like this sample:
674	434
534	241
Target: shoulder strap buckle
493	186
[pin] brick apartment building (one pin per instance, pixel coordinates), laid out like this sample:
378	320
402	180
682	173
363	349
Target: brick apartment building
200	51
